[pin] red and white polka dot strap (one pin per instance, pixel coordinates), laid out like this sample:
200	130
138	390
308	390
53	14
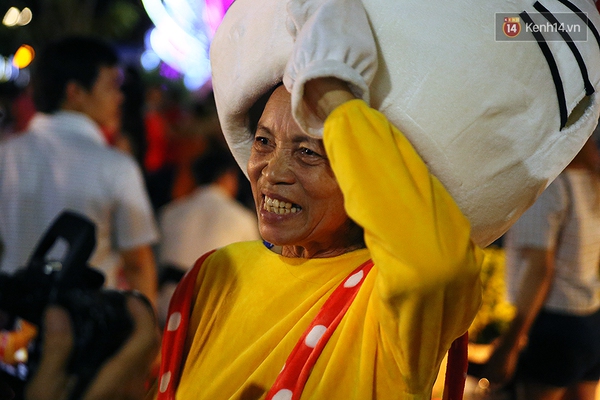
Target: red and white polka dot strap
173	342
292	378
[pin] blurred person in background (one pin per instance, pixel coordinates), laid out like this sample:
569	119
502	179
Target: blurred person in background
158	165
207	219
133	130
158	130
16	109
552	347
23	109
63	162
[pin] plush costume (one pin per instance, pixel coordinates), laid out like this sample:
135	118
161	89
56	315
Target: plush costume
494	120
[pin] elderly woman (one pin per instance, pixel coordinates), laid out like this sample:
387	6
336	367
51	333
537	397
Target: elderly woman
309	317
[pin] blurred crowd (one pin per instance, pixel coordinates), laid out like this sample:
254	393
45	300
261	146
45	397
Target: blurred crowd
199	197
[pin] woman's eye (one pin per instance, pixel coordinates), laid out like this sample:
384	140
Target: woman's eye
309	152
261	140
261	144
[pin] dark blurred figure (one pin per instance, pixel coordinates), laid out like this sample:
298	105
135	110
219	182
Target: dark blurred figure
158	166
133	130
23	109
16	109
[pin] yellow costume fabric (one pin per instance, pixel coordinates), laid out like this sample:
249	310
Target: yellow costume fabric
252	305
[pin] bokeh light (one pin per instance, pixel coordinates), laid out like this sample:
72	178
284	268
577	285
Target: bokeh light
149	60
25	17
8	71
16	17
23	56
13	67
183	30
11	17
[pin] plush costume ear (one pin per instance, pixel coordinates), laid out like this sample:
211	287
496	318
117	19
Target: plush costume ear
495	118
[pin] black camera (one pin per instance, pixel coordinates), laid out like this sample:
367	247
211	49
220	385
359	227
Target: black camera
99	317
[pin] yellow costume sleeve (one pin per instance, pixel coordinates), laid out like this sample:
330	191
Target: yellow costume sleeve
427	289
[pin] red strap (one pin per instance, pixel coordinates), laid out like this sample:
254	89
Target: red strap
292	378
173	342
456	369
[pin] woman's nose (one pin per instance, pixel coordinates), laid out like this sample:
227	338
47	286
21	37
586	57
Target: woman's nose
279	168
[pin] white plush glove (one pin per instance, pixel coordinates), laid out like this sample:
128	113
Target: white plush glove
333	38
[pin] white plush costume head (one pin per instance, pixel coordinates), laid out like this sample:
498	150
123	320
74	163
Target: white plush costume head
488	117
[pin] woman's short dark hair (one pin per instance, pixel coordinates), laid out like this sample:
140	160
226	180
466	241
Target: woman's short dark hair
75	59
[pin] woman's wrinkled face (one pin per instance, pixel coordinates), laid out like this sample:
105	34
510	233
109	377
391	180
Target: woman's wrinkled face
298	200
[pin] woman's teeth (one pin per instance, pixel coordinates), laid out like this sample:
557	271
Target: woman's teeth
279	207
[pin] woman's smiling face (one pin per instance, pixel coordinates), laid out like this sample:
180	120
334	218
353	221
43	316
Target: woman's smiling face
299	203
